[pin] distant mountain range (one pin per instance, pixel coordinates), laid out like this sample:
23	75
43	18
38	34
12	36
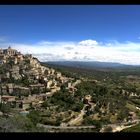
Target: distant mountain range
92	64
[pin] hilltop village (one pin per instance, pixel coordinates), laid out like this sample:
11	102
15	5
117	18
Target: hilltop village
24	82
36	97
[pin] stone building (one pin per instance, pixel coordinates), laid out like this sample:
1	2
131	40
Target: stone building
2	59
34	62
1	51
15	72
6	98
58	74
3	89
52	71
18	58
10	51
49	83
10	88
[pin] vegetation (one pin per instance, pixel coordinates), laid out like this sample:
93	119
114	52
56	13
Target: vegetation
135	128
113	94
65	101
34	116
110	95
16	123
5	108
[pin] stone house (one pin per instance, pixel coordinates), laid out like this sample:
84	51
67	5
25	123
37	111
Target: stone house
21	91
47	72
15	60
49	94
18	58
55	89
34	63
18	104
24	90
72	89
132	116
2	59
69	85
10	88
1	51
77	82
49	83
26	104
52	71
87	99
58	74
3	89
15	72
38	87
7	99
7	75
42	69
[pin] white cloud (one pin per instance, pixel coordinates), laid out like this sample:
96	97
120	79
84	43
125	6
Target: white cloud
88	42
127	52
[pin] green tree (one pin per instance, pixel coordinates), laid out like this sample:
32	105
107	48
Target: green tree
34	116
5	108
108	129
77	106
16	123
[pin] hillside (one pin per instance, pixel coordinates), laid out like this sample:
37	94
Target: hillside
26	84
54	98
117	102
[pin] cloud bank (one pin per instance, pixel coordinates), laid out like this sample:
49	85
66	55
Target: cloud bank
88	42
85	50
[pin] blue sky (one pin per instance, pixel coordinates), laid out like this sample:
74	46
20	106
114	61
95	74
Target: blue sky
45	29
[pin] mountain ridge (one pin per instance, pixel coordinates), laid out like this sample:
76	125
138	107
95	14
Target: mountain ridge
92	64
